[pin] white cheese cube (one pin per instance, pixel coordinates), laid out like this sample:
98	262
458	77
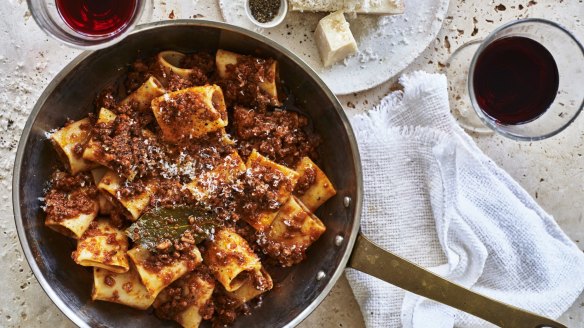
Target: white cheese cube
334	39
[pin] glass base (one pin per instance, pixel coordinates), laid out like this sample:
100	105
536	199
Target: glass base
461	108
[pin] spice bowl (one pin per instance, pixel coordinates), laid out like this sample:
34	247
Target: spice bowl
266	13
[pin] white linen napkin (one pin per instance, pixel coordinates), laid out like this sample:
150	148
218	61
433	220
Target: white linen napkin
433	197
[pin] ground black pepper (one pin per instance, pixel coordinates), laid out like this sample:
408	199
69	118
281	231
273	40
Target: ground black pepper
264	10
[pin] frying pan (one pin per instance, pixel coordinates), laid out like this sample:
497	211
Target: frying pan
300	289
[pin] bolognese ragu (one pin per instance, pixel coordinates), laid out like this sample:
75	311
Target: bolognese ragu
188	133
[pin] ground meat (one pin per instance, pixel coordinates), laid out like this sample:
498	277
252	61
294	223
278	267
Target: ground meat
78	150
128	190
165	256
134	152
117	218
291	241
305	181
203	61
261	188
191	289
255	191
123	147
227	308
175	82
250	235
278	135
127	287
221	199
106	99
109	280
180	109
202	65
286	253
70	196
130	109
242	83
170	193
138	73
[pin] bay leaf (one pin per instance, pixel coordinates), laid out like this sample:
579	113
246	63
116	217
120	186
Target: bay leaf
169	223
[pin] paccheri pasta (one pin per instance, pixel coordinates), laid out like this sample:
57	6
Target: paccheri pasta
187	184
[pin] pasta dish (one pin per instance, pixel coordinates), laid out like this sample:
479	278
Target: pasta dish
189	181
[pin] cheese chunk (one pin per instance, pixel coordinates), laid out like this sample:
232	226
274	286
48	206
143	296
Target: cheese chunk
334	39
380	7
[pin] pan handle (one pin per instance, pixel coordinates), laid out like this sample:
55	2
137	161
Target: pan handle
371	259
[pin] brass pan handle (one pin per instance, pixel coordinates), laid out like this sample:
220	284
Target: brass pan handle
371	259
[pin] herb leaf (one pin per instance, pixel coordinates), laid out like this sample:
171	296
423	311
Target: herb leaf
165	224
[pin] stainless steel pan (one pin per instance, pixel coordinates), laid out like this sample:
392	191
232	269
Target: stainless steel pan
299	290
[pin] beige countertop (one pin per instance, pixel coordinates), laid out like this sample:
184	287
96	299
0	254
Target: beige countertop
551	170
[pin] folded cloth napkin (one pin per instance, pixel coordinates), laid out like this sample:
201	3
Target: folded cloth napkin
433	197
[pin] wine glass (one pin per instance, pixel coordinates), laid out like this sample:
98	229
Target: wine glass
89	24
471	111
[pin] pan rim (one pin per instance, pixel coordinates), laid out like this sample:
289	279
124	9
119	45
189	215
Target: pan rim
356	203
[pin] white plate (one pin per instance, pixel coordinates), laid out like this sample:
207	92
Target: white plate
387	44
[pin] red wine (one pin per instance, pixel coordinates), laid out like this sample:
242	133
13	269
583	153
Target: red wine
97	17
515	80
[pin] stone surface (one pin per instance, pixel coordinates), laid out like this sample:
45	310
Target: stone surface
551	170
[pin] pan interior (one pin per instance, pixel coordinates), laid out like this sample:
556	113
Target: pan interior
297	290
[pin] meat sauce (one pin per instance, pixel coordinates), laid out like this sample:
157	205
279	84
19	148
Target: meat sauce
69	196
279	135
132	145
243	83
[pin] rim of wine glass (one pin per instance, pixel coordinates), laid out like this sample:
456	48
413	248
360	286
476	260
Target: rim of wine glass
488	121
47	24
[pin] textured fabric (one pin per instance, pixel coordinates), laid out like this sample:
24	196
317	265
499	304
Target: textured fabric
434	198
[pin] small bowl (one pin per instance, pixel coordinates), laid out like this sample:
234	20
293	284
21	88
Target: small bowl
279	18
